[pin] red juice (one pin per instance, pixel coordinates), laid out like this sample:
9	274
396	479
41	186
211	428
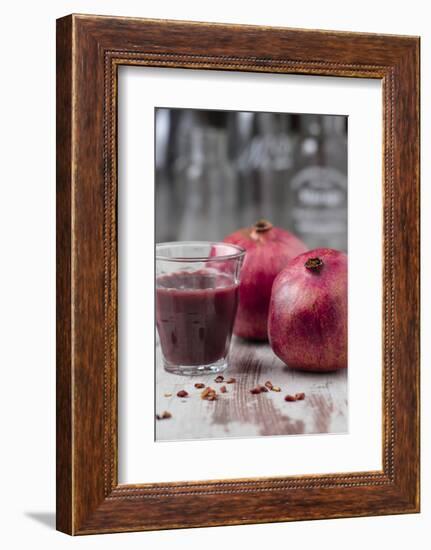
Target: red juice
195	312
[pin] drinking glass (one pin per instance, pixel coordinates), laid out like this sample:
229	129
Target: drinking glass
196	302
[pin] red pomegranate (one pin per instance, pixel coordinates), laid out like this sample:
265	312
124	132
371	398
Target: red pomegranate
307	323
268	250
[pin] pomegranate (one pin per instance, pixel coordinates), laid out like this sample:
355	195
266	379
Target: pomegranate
268	250
307	324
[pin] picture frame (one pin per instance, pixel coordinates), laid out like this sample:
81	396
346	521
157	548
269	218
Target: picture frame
89	51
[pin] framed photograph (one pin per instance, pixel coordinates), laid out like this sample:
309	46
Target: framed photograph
237	274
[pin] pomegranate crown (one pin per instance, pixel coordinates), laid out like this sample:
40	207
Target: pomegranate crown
314	264
262	225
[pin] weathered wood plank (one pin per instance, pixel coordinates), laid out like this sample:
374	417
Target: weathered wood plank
239	413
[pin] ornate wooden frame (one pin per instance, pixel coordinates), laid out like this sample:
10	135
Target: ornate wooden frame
89	51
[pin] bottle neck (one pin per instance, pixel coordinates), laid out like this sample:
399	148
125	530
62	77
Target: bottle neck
208	146
311	125
273	123
333	125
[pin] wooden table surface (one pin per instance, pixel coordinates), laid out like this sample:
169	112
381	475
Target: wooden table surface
239	413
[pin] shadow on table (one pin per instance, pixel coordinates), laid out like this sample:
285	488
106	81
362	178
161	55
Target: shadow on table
45	518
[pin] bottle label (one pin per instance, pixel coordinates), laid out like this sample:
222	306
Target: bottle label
319	202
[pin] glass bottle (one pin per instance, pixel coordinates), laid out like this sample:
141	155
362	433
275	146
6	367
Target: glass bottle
184	123
163	188
269	163
240	134
208	188
318	189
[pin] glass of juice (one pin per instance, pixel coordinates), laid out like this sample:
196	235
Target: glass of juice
196	302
